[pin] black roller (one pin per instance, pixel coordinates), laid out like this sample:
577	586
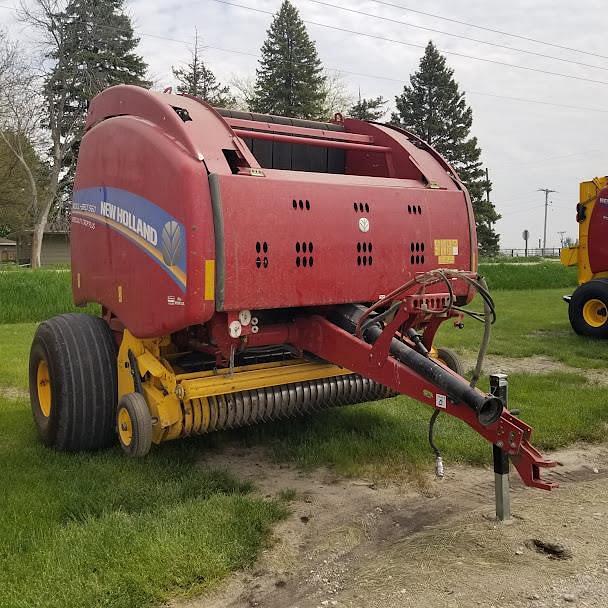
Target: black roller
292	156
288	400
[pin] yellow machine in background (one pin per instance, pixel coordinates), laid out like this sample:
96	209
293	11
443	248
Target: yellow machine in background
588	305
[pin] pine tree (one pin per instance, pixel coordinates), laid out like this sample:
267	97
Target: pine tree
368	108
290	80
98	52
433	107
198	80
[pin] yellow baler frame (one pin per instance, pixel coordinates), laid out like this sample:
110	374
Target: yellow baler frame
578	255
172	398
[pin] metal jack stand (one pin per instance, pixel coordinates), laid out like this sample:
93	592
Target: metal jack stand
499	387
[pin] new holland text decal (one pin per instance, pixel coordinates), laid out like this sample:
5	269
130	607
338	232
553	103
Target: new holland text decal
145	224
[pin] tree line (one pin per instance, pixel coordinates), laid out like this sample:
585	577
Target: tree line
89	45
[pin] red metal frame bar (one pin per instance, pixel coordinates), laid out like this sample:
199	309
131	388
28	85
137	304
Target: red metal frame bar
311	141
241	123
322	338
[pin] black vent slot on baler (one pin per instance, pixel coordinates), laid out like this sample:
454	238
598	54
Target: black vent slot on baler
289	156
417	253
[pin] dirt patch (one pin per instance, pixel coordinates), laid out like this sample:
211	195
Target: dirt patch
523	365
349	543
533	365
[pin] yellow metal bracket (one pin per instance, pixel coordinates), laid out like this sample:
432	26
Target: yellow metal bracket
250	377
178	403
159	383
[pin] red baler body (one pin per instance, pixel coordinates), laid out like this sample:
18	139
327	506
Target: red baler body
256	267
272	238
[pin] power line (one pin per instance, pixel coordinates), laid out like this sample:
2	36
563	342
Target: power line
419	46
510	213
549	158
343	71
401	81
453	35
489	29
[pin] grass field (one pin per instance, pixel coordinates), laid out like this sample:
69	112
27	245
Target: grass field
27	295
508	276
530	322
103	530
85	530
33	295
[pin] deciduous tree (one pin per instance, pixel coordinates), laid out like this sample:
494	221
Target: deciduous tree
88	45
23	175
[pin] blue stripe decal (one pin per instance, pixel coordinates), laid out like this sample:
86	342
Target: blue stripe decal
145	224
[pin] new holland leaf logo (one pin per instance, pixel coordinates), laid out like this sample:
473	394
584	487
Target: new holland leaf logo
171	243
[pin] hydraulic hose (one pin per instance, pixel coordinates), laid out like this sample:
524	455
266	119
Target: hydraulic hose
485	342
487	407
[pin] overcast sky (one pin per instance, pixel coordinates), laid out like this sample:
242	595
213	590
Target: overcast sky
525	145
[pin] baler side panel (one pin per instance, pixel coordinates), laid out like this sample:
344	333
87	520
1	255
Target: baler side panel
142	228
408	161
202	132
356	255
597	238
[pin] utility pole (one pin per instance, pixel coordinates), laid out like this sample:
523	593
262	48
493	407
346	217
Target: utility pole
561	236
547	191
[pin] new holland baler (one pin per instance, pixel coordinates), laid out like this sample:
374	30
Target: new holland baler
252	268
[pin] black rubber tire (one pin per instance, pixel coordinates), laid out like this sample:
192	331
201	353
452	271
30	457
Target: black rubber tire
448	357
597	289
80	353
141	425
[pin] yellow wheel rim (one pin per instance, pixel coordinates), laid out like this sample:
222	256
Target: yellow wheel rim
43	381
125	426
595	313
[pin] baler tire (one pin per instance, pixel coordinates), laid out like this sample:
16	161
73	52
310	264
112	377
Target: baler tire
588	309
73	382
134	425
450	359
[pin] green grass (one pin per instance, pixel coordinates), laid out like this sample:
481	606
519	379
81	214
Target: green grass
530	322
507	259
508	276
34	295
104	530
15	341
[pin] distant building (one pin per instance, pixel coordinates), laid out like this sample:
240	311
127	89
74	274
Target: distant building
55	247
8	251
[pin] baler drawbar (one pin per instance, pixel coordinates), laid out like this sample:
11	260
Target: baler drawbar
252	268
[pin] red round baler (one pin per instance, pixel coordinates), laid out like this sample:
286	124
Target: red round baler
251	268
